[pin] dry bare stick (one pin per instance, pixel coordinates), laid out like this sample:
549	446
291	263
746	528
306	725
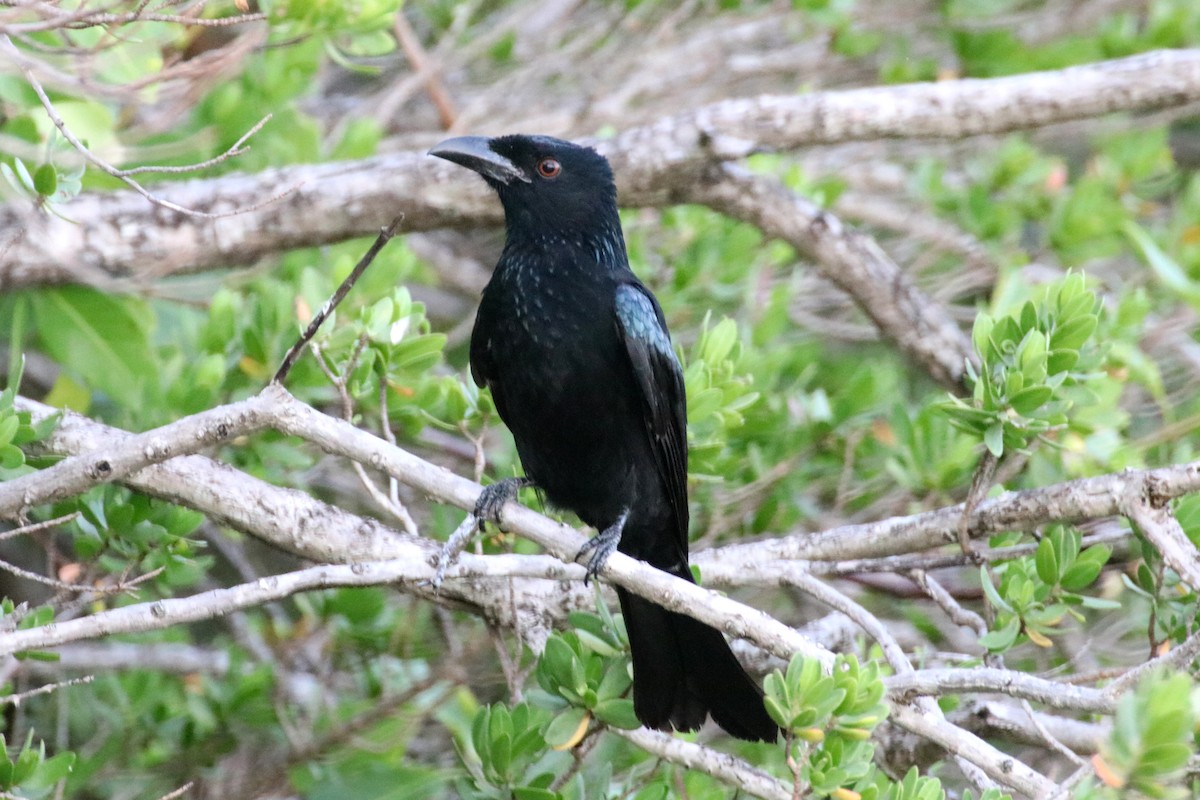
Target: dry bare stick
160	614
75	475
938	594
385	235
171	657
38	527
1178	658
177	793
389	503
20	697
991	719
54	19
731	129
934	559
421	64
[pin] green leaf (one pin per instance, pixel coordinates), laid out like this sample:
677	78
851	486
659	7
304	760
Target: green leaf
989	589
8	428
1073	333
11	456
1030	399
718	341
981	333
617	712
565	727
45	180
1000	640
993	437
51	771
1168	271
1099	603
1047	562
23	173
1059	361
102	338
1086	568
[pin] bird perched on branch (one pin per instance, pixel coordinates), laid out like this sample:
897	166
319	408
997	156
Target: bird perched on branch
576	353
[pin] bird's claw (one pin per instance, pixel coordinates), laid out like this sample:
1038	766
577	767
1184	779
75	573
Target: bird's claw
493	498
487	509
603	543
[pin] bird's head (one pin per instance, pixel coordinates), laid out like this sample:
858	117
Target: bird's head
546	185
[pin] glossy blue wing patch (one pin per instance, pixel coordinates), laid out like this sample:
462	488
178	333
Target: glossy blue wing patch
639	320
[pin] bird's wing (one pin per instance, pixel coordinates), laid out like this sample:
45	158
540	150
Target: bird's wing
660	378
481	343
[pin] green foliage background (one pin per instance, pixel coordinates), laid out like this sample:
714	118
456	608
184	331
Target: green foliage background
791	429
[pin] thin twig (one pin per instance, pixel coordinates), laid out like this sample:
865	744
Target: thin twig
235	149
20	697
180	792
293	353
95	160
38	527
958	615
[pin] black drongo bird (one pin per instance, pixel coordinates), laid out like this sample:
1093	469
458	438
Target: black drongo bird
577	355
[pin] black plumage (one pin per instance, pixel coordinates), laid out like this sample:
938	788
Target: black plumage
576	353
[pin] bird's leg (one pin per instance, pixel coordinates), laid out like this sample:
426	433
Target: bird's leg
604	543
487	509
492	499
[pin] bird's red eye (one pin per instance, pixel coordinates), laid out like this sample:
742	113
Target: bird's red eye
549	168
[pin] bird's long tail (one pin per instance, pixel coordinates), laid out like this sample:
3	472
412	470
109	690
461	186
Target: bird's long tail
683	670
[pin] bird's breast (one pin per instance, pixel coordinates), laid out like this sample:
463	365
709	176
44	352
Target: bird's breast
561	377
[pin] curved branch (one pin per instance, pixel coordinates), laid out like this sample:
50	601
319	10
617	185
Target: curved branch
851	260
334	202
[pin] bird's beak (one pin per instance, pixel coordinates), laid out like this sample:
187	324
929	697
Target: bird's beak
476	153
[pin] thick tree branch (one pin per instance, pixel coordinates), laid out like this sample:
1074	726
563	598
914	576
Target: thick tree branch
276	409
1075	501
852	260
285	518
334	202
1000	767
938	682
1154	519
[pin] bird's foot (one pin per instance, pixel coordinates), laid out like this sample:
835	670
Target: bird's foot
603	543
492	499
